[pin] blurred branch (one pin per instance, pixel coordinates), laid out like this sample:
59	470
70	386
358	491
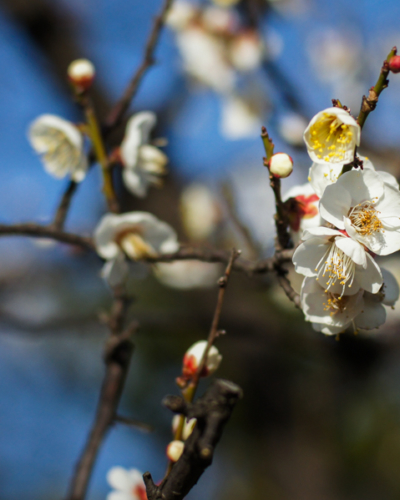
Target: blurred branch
212	411
117	356
116	114
39	231
63	207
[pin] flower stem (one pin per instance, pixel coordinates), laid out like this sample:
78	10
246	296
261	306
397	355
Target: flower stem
101	155
369	103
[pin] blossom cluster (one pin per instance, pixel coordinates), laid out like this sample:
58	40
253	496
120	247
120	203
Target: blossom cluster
348	215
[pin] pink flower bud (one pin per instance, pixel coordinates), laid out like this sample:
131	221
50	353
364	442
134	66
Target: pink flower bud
193	357
175	450
394	64
280	165
81	73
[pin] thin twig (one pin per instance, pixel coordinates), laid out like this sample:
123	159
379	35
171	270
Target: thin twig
117	356
131	422
117	113
243	230
63	207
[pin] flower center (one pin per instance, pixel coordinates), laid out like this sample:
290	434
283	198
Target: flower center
330	137
339	267
59	149
364	218
335	303
133	244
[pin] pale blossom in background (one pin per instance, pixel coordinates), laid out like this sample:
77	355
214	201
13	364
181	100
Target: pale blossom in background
246	51
61	146
187	274
239	118
143	163
180	15
128	484
291	127
133	235
175	450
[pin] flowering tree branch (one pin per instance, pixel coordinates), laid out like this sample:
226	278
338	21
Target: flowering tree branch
63	207
212	412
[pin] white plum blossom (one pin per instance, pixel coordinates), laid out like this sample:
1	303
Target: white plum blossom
143	163
219	21
193	357
332	314
180	15
303	211
128	484
332	136
367	208
61	145
133	235
246	51
338	262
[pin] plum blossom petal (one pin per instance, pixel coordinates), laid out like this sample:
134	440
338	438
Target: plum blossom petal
61	145
143	163
332	136
302	209
373	314
129	484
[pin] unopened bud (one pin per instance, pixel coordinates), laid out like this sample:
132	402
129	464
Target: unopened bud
193	357
188	426
280	165
175	450
81	73
394	64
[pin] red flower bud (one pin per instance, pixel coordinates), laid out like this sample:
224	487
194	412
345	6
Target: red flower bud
394	64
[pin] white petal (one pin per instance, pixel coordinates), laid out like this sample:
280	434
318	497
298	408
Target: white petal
137	133
372	315
388	179
389	206
352	249
308	254
370	277
362	185
387	242
119	479
104	235
153	159
53	122
119	495
390	288
136	181
115	271
321	231
322	175
329	330
303	190
335	204
136	477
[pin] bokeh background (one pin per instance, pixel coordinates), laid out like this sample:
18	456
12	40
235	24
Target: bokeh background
320	419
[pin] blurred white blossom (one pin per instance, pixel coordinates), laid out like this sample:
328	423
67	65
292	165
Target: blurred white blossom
187	274
128	484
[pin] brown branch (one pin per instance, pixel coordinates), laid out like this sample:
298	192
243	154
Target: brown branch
63	207
117	113
117	356
212	412
39	231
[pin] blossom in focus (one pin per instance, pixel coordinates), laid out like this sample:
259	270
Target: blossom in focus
332	314
367	208
341	264
193	357
301	203
133	235
128	484
175	450
280	165
81	73
332	136
61	145
144	164
188	426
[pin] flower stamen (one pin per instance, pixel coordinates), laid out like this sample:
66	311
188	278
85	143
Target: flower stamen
339	267
365	220
330	137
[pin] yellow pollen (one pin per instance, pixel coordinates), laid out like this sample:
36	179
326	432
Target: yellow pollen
365	219
338	266
335	303
330	137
